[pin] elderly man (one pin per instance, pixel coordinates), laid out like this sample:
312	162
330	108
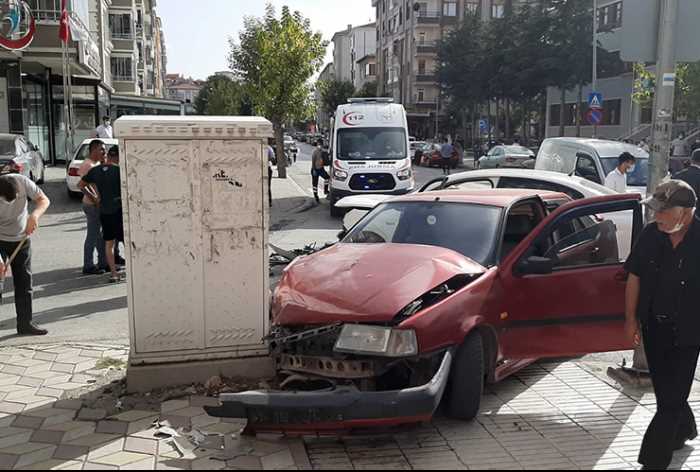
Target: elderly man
663	293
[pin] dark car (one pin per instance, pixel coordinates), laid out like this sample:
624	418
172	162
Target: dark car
432	156
19	156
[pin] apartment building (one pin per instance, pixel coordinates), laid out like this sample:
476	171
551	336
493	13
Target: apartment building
323	118
183	90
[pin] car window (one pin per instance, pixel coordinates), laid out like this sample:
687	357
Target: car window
21	146
586	168
522	219
477	184
468	229
83	153
535	184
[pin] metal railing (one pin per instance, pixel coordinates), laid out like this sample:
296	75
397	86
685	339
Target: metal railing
123	78
47	15
429	14
128	36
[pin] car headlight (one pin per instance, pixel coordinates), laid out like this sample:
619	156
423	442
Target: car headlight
340	174
404	174
377	341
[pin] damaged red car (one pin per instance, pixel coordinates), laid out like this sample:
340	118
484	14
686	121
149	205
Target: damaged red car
430	296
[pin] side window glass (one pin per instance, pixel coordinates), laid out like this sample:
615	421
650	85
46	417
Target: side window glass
520	223
21	146
582	241
585	167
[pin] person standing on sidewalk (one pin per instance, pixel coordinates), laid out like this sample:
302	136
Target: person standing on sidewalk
318	169
663	293
105	131
15	223
93	238
446	152
108	182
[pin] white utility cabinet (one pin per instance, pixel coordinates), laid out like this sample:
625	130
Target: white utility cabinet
195	200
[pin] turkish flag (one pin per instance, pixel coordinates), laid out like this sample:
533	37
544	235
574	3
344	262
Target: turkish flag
64	30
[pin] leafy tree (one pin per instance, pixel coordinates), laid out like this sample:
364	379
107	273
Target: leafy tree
221	96
334	93
276	57
369	90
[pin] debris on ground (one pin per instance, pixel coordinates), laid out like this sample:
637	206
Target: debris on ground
109	363
284	257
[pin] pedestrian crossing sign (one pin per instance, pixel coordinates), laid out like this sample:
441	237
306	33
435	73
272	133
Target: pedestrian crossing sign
595	100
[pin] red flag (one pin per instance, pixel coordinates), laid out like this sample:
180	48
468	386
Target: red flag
64	31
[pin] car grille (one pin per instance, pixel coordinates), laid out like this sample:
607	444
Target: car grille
372	182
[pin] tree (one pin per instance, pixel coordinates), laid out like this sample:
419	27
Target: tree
276	58
334	93
369	90
221	96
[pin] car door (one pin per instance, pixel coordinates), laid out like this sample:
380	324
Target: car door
561	292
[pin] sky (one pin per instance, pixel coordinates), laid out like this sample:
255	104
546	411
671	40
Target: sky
198	48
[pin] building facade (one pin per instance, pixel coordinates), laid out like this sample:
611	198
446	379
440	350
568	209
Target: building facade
323	118
408	34
102	63
183	90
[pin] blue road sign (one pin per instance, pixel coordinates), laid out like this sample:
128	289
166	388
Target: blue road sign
595	100
483	126
595	116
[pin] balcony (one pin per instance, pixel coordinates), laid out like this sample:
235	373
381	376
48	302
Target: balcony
426	47
428	17
123	35
426	78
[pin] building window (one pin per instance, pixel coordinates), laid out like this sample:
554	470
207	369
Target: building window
471	8
371	70
612	112
555	115
421	67
46	10
421	38
408	11
498	11
122	69
421	95
610	16
449	8
120	25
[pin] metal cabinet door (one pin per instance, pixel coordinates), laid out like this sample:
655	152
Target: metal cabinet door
234	241
164	239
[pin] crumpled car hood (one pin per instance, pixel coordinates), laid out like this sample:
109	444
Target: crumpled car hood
363	282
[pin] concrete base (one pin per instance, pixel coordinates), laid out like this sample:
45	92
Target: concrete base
145	378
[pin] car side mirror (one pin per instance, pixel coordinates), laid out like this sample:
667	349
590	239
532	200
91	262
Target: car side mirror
535	265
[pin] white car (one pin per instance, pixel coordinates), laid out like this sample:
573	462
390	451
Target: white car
82	153
575	187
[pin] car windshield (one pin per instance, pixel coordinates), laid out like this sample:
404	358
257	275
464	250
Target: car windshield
468	229
638	178
372	143
7	147
517	150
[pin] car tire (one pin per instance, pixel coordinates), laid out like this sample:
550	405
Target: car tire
467	379
43	175
336	212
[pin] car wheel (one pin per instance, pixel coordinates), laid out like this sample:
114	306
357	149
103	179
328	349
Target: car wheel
336	212
467	379
43	175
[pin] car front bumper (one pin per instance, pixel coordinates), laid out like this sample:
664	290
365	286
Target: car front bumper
338	409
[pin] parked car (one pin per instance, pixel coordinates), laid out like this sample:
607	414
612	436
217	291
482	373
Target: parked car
82	153
409	309
416	150
19	156
433	158
573	186
593	159
506	156
290	146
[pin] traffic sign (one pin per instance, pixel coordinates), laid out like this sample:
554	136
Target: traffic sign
483	126
595	116
595	100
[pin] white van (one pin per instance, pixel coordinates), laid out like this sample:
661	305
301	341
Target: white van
370	150
592	159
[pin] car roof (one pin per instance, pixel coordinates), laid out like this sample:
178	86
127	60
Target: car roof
605	147
111	142
502	198
572	181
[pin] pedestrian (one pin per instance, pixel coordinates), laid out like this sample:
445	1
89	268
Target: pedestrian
93	238
105	131
617	179
691	175
446	152
270	162
318	169
15	223
678	146
108	182
644	145
663	293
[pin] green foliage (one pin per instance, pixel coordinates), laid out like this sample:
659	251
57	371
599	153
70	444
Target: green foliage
221	96
334	93
369	90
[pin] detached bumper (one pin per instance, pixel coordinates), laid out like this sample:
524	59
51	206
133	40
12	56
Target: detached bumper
342	408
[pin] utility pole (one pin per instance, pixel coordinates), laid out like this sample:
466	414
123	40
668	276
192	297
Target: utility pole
662	121
594	83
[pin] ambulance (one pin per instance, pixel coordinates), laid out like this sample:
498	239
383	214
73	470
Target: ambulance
369	150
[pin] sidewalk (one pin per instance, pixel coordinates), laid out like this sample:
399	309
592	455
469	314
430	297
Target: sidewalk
61	408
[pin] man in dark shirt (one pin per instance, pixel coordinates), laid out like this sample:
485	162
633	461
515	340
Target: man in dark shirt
663	293
691	175
108	182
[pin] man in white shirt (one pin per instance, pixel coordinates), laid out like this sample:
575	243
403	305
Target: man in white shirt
617	179
104	131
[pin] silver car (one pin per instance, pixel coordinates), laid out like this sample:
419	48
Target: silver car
506	156
19	156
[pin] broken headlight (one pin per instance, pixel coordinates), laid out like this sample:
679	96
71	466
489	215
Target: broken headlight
377	341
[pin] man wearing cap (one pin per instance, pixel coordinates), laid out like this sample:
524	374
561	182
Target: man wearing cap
691	175
663	293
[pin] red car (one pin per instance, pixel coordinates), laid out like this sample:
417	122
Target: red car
432	294
433	158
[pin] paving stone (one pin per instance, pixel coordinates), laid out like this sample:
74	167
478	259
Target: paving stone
30	382
69	404
6	419
112	427
68	452
34	457
93	439
106	449
24	448
134	415
27	422
15	438
49	392
7	461
95	466
145	464
174	405
189	412
48	437
207	463
91	414
198	401
172	464
141	445
245	463
45	356
51	464
71	465
91	353
11	369
278	460
7	407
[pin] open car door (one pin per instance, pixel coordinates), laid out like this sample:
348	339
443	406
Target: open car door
561	291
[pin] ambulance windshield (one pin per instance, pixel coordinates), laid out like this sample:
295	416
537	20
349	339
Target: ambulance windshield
371	144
